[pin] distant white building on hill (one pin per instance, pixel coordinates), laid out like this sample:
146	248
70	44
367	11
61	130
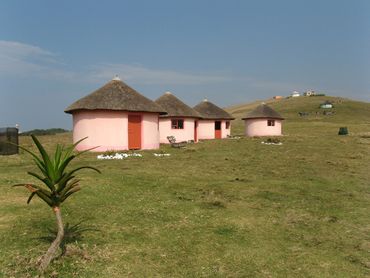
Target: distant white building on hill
309	93
295	94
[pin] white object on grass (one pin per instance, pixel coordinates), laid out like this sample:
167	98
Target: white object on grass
118	156
161	154
267	143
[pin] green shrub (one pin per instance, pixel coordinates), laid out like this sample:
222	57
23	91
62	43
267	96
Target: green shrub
343	131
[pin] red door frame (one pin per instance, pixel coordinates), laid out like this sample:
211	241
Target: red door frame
134	131
195	131
218	132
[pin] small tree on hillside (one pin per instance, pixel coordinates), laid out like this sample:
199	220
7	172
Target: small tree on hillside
57	185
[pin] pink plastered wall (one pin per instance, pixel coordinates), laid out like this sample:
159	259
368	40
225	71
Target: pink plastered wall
149	131
185	134
259	127
225	132
107	130
206	129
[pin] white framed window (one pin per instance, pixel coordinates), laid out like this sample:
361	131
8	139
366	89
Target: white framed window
177	124
270	122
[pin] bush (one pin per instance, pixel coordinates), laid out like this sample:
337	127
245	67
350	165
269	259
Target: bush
38	132
343	131
273	140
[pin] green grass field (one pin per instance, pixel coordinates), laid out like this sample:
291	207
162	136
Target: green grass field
220	208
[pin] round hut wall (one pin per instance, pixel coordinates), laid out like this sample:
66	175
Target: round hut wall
260	127
108	130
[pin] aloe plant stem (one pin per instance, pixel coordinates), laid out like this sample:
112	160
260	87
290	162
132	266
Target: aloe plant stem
51	253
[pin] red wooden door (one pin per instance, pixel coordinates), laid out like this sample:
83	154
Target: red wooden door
134	132
195	131
218	134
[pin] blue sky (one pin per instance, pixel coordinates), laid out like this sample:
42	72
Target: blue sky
54	52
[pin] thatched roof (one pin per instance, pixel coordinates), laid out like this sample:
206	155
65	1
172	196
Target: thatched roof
115	95
175	107
208	110
263	111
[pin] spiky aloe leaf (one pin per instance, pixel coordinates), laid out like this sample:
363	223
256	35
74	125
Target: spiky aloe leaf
36	158
30	197
87	150
72	191
46	199
69	175
63	166
63	183
46	181
39	191
46	159
66	161
69	150
57	156
68	186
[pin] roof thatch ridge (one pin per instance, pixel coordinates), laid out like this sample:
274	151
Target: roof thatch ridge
175	107
263	111
210	111
115	95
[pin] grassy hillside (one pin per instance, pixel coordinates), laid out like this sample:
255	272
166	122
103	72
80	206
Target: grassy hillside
220	208
354	114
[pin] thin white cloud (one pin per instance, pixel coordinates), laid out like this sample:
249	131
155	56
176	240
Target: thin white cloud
21	50
143	75
20	59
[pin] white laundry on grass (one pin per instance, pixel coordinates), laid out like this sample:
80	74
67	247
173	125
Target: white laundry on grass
161	154
118	156
270	143
126	155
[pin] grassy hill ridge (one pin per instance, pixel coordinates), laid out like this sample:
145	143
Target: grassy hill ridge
346	112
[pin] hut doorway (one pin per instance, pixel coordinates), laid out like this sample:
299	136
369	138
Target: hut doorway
195	131
134	132
218	130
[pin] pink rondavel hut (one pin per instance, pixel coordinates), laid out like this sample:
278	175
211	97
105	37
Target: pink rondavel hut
214	123
180	121
115	117
263	121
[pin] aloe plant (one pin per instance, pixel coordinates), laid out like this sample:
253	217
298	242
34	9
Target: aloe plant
57	184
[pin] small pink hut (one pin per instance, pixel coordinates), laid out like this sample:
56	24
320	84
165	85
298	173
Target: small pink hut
215	123
115	117
181	121
263	121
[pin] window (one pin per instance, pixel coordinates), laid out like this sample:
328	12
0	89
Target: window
177	124
227	125
270	122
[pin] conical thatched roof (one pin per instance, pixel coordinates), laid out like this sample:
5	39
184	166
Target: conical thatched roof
208	110
175	107
263	111
115	95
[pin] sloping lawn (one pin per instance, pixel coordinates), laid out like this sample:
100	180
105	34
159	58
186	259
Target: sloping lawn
220	208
